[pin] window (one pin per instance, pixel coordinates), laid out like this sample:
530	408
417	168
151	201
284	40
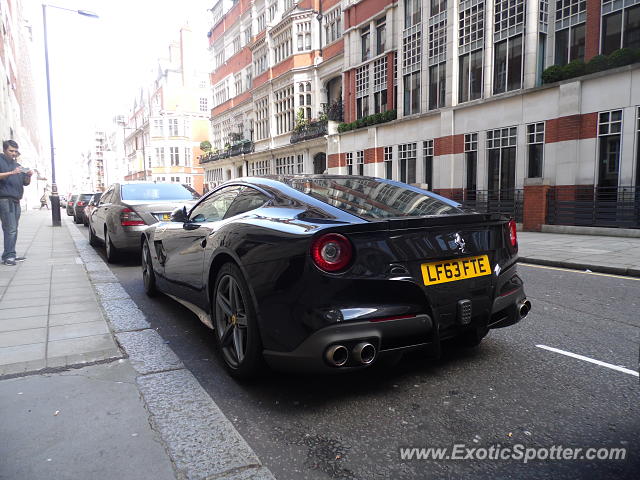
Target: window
220	58
204	104
237	83
470	85
471	164
176	180
349	163
247	34
289	165
282	46
427	157
262	118
303	31
412	93
638	150
508	65
173	127
236	44
188	154
471	25
214	175
535	148
175	156
333	25
214	207
501	148
158	129
187	180
412	12
621	28
248	80
407	155
262	22
273	10
160	157
609	138
304	99
438	6
388	161
283	106
261	62
438	41
260	167
381	35
437	86
380	85
508	17
362	91
221	93
360	162
365	44
248	199
570	44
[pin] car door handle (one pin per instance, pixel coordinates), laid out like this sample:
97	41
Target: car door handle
203	243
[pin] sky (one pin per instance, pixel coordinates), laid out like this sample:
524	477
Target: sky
98	65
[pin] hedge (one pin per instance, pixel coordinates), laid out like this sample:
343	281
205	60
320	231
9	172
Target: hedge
577	68
368	121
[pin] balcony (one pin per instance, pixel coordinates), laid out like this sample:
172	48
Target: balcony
241	148
309	131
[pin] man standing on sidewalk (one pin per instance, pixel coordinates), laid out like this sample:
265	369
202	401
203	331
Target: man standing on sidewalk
13	178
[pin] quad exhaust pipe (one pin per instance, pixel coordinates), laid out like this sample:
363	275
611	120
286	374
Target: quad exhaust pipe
337	355
523	308
364	353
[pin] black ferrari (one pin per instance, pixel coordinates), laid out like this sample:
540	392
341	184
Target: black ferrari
328	273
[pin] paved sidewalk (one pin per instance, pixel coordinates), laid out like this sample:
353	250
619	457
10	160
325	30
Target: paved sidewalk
616	255
87	388
49	316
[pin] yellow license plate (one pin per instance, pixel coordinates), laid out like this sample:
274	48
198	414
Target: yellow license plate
455	269
166	216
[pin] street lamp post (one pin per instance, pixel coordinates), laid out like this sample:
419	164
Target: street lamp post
55	198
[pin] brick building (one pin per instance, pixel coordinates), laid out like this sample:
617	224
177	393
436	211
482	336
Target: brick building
170	119
444	94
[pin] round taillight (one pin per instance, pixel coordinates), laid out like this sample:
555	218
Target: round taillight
331	252
513	235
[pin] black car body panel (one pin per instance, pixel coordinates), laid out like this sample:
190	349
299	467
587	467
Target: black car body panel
380	297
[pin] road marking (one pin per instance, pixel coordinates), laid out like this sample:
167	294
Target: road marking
579	271
590	360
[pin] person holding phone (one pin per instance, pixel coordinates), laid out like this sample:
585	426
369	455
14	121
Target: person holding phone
13	178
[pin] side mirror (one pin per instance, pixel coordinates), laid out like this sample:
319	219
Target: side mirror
180	215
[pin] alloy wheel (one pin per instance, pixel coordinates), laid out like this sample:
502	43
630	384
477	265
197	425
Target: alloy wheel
231	321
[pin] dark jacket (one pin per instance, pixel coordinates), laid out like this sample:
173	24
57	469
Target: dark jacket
12	186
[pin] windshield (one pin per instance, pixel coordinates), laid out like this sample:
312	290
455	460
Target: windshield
374	198
155	192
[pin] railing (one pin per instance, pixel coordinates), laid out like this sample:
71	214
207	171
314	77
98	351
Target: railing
333	111
237	149
313	130
506	202
593	206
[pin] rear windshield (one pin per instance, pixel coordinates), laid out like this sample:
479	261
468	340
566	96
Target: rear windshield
97	196
83	197
373	198
155	192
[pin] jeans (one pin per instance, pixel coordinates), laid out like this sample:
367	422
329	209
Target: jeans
9	217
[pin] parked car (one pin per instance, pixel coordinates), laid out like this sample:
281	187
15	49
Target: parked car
91	207
127	208
333	273
70	202
82	200
63	201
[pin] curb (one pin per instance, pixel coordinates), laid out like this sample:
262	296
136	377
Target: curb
199	439
626	272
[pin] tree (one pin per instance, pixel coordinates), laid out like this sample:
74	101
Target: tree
205	146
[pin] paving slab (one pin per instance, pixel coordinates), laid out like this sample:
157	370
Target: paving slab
23	323
23	311
76	317
77	330
23	337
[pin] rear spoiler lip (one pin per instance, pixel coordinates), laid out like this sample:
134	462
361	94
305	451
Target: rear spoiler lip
461	221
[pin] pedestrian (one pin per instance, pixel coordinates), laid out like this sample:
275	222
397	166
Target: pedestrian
13	178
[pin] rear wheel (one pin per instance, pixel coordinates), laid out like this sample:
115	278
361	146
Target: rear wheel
235	323
148	276
112	253
76	219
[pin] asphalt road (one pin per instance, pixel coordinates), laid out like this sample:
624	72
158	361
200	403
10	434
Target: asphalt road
506	392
